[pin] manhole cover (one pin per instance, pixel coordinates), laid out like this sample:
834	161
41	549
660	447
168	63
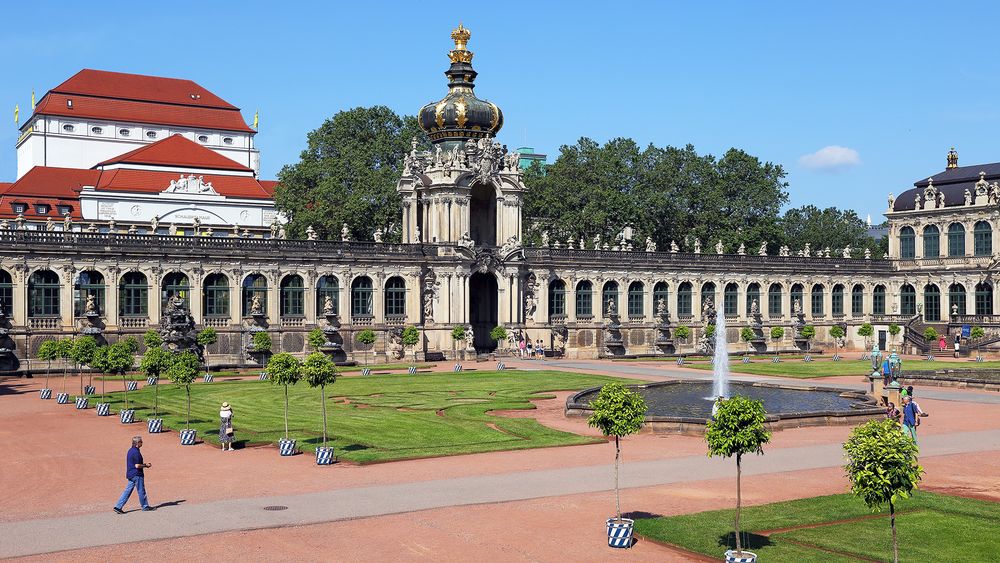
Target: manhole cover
276	507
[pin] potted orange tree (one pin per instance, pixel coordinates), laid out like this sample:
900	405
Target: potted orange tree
320	371
285	369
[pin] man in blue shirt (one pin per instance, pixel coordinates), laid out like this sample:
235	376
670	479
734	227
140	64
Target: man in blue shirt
134	475
910	418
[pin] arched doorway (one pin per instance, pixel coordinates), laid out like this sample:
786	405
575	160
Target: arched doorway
483	215
483	309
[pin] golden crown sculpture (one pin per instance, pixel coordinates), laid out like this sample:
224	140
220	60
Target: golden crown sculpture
460	35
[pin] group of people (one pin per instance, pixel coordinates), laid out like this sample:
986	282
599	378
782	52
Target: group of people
135	465
526	349
890	368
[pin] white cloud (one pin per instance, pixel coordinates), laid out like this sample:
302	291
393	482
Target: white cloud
833	158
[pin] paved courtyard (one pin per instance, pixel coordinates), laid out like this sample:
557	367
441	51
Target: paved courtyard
62	472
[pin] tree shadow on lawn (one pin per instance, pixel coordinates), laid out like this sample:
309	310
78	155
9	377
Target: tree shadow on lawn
748	540
640	514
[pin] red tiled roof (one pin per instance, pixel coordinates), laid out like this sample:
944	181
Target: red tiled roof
269	186
176	150
49	181
122	86
55	103
146	181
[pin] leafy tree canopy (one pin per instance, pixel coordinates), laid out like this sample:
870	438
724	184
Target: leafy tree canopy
348	174
184	369
319	370
738	428
207	336
881	463
151	339
836	228
284	369
83	350
49	350
458	333
411	336
261	342
119	357
155	361
366	337
777	332
618	410
316	338
498	334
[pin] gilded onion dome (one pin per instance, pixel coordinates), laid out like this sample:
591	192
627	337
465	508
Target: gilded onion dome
460	115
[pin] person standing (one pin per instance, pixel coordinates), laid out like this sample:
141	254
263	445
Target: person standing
134	466
910	418
226	427
541	349
942	344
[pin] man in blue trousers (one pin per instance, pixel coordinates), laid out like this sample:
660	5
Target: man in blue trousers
134	475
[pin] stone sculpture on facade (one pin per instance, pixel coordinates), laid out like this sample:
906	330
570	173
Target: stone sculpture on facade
311	233
281	233
742	250
67	223
172	229
868	254
545	238
762	251
718	247
673	247
49	224
377	235
133	230
256	306
345	233
783	251
19	222
177	328
650	245
968	197
892	200
697	246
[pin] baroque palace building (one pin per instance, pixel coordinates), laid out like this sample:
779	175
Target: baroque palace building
133	190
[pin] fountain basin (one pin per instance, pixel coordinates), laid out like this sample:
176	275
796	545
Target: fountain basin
683	407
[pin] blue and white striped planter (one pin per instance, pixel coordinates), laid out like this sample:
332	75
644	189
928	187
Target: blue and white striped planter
286	447
127	416
209	378
807	358
89	389
747	557
979	358
150	381
324	456
103	409
746	359
836	357
264	376
62	398
620	532
458	367
366	371
412	370
775	360
45	394
188	436
132	385
680	361
866	356
501	366
81	402
930	357
154	425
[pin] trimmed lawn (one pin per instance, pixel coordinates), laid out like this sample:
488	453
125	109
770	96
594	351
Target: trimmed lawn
378	418
761	365
931	527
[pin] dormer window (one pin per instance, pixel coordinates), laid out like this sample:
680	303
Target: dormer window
64	209
41	208
68	128
96	130
151	134
228	140
19	207
202	138
124	132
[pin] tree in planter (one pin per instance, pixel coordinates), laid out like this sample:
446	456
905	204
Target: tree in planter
155	361
882	467
131	343
457	335
411	337
930	335
837	332
367	339
99	361
738	429
206	337
498	335
682	333
316	338
709	331
64	348
48	351
893	331
284	369
777	332
976	334
319	371
618	411
746	335
152	339
866	331
82	354
119	359
808	332
261	342
183	371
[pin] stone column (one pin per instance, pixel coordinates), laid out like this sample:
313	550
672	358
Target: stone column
274	299
571	300
970	247
110	312
414	299
66	304
19	299
543	299
154	298
378	299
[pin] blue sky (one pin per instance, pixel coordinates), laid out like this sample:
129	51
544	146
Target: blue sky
876	92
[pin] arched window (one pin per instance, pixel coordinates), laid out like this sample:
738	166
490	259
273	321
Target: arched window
956	240
731	300
753	294
661	291
878	300
362	304
816	297
254	285
956	299
584	300
907	300
774	301
932	242
293	296
907	243
175	284
610	292
837	300
327	286
684	300
395	297
982	239
796	296
557	298
707	295
88	283
216	296
932	303
43	294
6	292
984	299
635	299
133	295
858	300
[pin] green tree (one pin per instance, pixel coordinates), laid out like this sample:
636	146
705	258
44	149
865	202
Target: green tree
206	337
837	332
777	332
347	175
82	354
618	411
882	468
894	331
709	331
131	343
411	337
284	369
930	335
976	334
367	339
48	351
498	335
830	227
808	332
320	371
457	335
866	331
119	359
99	361
261	342
737	429
154	362
682	332
152	339
746	335
64	349
316	338
183	371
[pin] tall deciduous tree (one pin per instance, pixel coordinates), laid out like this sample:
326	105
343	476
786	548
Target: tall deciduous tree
348	174
830	227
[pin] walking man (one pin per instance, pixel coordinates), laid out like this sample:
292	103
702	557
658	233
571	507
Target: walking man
910	418
134	475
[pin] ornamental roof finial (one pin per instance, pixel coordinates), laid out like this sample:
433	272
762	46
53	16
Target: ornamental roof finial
460	35
952	158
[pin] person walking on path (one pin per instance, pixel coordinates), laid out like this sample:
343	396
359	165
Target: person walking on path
941	345
134	466
910	420
226	427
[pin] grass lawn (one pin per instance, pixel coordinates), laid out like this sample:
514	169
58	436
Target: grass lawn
826	368
378	418
931	527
